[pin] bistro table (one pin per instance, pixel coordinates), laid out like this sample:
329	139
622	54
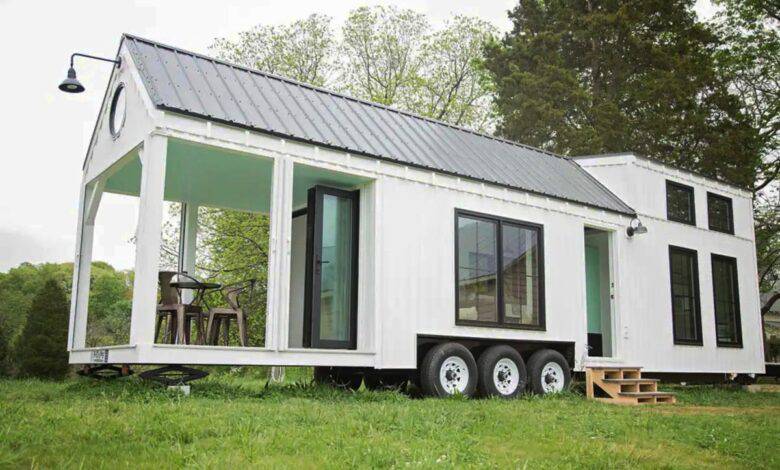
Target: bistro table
200	289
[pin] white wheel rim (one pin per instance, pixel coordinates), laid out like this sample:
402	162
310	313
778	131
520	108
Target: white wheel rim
552	378
506	376
454	375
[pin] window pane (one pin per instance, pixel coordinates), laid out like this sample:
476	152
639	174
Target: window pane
685	308
477	254
336	280
724	284
679	203
719	214
520	268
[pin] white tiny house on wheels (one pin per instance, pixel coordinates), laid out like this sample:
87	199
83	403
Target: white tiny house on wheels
404	247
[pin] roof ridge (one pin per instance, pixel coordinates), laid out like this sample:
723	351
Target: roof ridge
343	95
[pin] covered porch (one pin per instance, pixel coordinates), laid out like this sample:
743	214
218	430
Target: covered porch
240	257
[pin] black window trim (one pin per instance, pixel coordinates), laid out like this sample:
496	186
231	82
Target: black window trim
712	195
737	312
499	221
670	183
696	292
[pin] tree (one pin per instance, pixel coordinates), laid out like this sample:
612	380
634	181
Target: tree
4	350
596	76
749	60
302	50
456	87
384	54
42	347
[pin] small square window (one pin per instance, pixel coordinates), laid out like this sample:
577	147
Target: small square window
680	205
720	214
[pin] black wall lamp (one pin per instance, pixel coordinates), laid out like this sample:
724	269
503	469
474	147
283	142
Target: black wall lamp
71	84
635	227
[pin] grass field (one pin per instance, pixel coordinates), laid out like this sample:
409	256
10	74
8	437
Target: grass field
235	421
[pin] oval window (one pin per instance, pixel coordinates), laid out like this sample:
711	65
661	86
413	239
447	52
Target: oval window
118	109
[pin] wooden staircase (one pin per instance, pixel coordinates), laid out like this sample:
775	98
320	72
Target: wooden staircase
623	386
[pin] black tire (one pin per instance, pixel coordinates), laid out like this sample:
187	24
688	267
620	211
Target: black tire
377	380
544	380
486	365
445	354
339	377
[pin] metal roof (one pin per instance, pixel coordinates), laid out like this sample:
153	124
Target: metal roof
193	84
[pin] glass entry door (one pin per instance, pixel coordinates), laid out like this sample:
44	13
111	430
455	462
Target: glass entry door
330	305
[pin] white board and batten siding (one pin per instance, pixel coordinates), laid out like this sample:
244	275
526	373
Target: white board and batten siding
645	298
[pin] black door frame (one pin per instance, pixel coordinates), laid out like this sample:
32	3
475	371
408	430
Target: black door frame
311	305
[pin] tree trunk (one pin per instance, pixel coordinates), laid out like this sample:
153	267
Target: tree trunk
769	304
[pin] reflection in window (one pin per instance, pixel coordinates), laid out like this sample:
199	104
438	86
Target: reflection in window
680	203
685	296
520	276
726	293
477	297
336	278
510	295
719	213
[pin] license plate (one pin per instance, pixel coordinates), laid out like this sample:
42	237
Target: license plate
99	356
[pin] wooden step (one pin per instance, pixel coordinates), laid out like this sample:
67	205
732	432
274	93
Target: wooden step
646	394
623	385
650	397
632	381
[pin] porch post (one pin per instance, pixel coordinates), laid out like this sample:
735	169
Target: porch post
89	203
278	254
148	240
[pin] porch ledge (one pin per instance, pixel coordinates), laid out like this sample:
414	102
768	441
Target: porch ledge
101	348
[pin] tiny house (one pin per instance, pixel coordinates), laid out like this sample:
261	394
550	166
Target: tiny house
402	247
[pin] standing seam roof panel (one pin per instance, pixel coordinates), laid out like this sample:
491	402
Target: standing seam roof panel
190	83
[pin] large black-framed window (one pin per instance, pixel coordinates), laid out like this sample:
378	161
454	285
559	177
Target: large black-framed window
720	213
728	325
680	203
499	271
686	307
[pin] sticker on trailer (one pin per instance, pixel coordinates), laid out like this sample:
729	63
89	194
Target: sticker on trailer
99	356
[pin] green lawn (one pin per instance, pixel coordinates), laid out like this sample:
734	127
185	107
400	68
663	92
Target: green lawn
237	422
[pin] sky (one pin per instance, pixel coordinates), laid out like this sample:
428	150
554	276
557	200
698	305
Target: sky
45	132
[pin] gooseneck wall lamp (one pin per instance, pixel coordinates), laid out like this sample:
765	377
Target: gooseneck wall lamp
71	84
635	227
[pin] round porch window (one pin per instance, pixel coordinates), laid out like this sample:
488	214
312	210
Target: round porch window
116	117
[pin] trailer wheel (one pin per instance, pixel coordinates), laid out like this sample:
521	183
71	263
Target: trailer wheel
448	369
549	372
501	372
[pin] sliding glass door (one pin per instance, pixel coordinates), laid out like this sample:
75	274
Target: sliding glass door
330	308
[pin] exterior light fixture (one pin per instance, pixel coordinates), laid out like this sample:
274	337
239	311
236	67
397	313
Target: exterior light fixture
71	84
635	227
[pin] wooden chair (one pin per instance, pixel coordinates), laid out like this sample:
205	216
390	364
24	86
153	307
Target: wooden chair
179	315
220	317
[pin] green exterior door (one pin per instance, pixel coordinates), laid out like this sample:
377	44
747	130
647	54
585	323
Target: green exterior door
593	288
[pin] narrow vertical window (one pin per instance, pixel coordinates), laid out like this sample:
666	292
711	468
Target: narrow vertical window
686	311
499	268
728	328
680	204
720	215
477	271
520	272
